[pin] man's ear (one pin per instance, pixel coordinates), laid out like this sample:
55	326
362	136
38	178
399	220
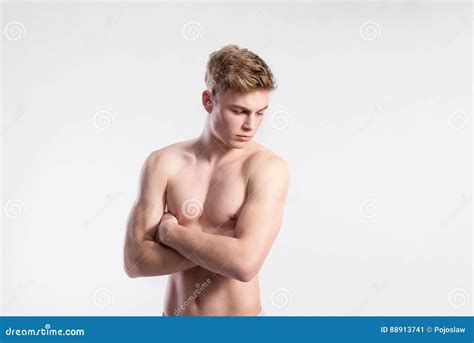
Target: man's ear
207	100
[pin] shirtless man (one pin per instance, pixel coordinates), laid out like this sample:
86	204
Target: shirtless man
210	208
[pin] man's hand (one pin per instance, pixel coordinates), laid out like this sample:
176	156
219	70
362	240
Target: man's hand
166	223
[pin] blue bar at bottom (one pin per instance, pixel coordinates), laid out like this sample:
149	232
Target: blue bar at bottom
237	329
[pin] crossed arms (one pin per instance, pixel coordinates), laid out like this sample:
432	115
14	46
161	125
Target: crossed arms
239	257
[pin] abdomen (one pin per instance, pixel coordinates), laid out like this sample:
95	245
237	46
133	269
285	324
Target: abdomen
200	292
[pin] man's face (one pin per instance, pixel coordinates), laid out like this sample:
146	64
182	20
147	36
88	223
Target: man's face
235	117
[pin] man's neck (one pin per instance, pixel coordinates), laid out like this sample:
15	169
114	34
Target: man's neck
210	149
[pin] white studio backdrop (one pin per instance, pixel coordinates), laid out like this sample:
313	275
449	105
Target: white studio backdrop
373	114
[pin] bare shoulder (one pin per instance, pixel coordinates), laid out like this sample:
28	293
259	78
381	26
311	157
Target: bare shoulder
169	157
264	165
264	158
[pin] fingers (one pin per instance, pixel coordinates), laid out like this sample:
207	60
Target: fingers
170	216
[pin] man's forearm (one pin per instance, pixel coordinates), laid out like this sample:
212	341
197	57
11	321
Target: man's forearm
220	254
155	259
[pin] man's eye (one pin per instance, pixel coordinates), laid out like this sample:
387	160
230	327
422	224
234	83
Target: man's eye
238	112
260	114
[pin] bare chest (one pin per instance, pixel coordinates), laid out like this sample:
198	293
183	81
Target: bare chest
207	199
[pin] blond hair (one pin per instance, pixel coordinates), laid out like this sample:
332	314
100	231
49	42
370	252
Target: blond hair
238	69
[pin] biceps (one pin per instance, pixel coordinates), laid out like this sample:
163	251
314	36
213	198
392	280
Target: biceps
149	208
260	220
144	219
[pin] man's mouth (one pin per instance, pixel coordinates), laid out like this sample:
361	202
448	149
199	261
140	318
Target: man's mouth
244	138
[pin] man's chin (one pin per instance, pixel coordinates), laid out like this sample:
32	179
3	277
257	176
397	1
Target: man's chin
236	143
239	145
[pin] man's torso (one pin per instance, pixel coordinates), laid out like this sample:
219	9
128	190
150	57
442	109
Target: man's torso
209	198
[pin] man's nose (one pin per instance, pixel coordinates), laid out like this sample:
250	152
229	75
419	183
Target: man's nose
250	122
